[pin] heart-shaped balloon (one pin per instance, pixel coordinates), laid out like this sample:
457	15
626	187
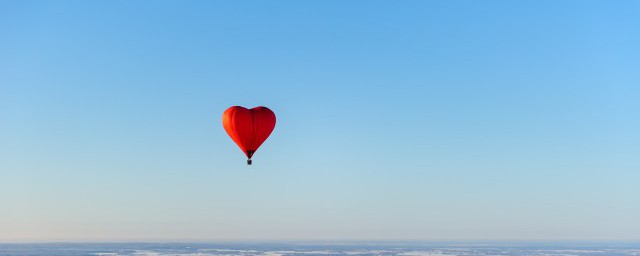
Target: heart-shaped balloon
248	128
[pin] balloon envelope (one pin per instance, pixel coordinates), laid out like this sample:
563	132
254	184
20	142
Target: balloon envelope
248	128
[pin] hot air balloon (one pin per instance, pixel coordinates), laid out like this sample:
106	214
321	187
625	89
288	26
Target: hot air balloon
248	128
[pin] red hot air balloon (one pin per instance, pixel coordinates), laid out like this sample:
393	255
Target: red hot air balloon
248	128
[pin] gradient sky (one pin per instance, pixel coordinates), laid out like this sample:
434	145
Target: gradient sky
396	120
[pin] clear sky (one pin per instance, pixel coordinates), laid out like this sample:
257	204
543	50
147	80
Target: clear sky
396	120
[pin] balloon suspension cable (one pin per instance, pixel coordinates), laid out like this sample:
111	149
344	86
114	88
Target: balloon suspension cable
248	161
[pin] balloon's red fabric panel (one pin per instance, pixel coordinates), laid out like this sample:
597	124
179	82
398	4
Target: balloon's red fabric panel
248	128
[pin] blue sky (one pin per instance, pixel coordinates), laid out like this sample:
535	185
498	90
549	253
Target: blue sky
396	120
